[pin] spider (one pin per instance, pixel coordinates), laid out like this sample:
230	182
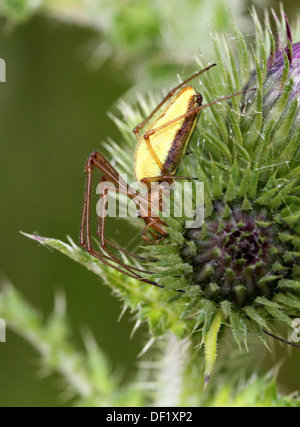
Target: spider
162	141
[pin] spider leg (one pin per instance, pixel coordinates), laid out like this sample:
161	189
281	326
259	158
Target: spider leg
85	235
156	238
114	245
96	160
102	216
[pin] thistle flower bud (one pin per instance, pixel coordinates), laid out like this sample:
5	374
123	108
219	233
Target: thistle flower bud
235	256
242	265
283	66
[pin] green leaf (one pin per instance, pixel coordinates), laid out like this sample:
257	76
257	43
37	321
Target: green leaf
284	300
236	327
266	302
209	310
190	308
175	235
289	284
253	314
210	342
226	308
278	314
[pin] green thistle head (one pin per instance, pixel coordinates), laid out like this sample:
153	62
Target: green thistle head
237	255
242	266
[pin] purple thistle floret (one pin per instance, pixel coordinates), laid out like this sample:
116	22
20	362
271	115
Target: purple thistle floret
276	68
274	82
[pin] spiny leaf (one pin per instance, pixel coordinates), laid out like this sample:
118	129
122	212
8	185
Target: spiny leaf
171	249
190	308
175	235
260	333
279	199
253	314
282	299
235	327
289	284
210	342
226	308
171	272
278	315
266	302
209	310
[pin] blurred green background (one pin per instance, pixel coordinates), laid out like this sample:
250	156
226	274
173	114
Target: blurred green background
63	75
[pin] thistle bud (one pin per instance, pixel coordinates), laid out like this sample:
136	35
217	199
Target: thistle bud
242	266
282	73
